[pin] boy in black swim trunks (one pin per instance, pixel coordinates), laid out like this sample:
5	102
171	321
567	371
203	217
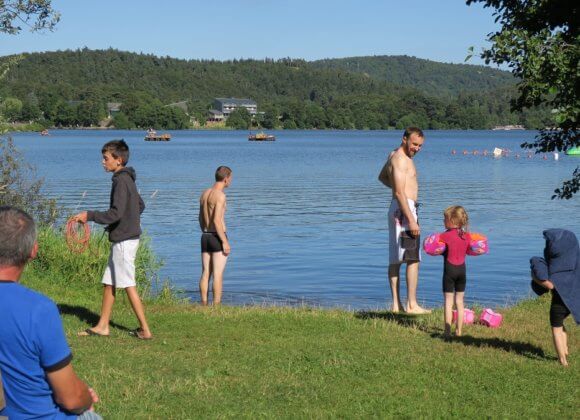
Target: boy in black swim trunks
215	247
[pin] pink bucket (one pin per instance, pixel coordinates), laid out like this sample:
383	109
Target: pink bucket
468	316
490	318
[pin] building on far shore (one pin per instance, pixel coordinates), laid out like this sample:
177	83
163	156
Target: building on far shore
113	108
215	116
228	105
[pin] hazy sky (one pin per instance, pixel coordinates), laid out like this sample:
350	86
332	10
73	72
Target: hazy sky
440	30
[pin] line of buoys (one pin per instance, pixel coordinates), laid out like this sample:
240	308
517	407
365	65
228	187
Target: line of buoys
497	153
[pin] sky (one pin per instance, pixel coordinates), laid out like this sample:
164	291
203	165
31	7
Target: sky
439	30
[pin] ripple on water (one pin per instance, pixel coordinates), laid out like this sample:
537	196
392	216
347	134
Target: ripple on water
307	216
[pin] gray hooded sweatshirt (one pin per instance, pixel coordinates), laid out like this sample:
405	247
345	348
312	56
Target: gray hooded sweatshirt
123	219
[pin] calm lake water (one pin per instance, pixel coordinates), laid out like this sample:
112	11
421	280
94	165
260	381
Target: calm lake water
306	214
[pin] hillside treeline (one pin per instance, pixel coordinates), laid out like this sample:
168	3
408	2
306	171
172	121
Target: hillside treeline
429	77
72	88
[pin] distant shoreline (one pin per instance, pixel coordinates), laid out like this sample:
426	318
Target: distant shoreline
39	129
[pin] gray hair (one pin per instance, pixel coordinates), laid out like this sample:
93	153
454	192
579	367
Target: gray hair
17	236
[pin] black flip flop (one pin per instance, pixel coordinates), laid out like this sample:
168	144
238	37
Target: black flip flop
138	333
90	333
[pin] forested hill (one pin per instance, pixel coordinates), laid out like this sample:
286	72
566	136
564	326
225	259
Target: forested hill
113	73
72	88
430	77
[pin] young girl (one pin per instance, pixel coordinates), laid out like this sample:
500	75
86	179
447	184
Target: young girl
456	240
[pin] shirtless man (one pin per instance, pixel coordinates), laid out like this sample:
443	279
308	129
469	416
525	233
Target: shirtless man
215	247
400	175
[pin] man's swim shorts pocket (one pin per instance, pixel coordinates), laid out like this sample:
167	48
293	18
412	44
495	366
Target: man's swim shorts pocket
411	245
408	241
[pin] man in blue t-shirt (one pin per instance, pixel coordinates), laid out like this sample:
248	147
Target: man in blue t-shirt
35	360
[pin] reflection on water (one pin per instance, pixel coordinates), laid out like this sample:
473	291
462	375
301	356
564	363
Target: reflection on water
306	214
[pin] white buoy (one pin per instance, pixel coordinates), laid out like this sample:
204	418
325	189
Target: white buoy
556	156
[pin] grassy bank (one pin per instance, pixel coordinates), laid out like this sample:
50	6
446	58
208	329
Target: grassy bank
301	362
14	127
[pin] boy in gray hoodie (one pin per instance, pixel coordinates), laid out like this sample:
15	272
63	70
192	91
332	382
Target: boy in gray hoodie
123	220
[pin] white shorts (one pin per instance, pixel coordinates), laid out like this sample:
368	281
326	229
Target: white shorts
402	247
120	271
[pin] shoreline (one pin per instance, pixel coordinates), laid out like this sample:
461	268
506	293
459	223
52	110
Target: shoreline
272	361
104	129
190	297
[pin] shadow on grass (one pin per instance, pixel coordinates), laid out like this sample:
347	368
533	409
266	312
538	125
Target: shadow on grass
518	347
86	315
406	320
420	323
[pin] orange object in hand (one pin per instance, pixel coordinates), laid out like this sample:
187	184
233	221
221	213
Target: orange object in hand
77	237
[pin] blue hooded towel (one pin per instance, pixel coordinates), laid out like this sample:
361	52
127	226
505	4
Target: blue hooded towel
561	265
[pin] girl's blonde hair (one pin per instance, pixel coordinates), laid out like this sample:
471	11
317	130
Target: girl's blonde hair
458	216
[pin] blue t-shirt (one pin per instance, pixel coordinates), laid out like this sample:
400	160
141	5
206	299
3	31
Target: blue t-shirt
32	342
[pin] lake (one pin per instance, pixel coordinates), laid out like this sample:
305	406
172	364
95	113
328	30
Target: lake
306	214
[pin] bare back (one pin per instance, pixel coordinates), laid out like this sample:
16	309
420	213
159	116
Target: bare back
212	208
400	172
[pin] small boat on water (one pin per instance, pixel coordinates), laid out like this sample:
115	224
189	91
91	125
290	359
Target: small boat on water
574	151
261	137
44	133
508	127
153	136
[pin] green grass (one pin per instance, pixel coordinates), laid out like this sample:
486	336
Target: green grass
249	362
35	126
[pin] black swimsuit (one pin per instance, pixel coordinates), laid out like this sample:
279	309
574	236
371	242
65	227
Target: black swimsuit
211	242
454	277
558	310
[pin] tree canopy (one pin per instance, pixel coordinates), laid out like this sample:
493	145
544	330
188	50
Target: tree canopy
35	14
539	41
430	77
291	93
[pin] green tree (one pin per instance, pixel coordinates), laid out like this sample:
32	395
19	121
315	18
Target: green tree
200	118
36	14
539	40
412	119
30	111
270	120
11	108
289	125
90	113
239	119
20	187
121	121
66	115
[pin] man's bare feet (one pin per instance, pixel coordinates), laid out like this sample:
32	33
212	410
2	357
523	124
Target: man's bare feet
417	310
396	308
458	334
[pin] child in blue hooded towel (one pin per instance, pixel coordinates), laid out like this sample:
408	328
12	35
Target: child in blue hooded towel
559	272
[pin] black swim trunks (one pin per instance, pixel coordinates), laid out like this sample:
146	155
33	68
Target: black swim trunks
454	277
211	242
558	310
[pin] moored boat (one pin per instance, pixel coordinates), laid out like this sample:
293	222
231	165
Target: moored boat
508	127
261	137
44	133
153	136
574	151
